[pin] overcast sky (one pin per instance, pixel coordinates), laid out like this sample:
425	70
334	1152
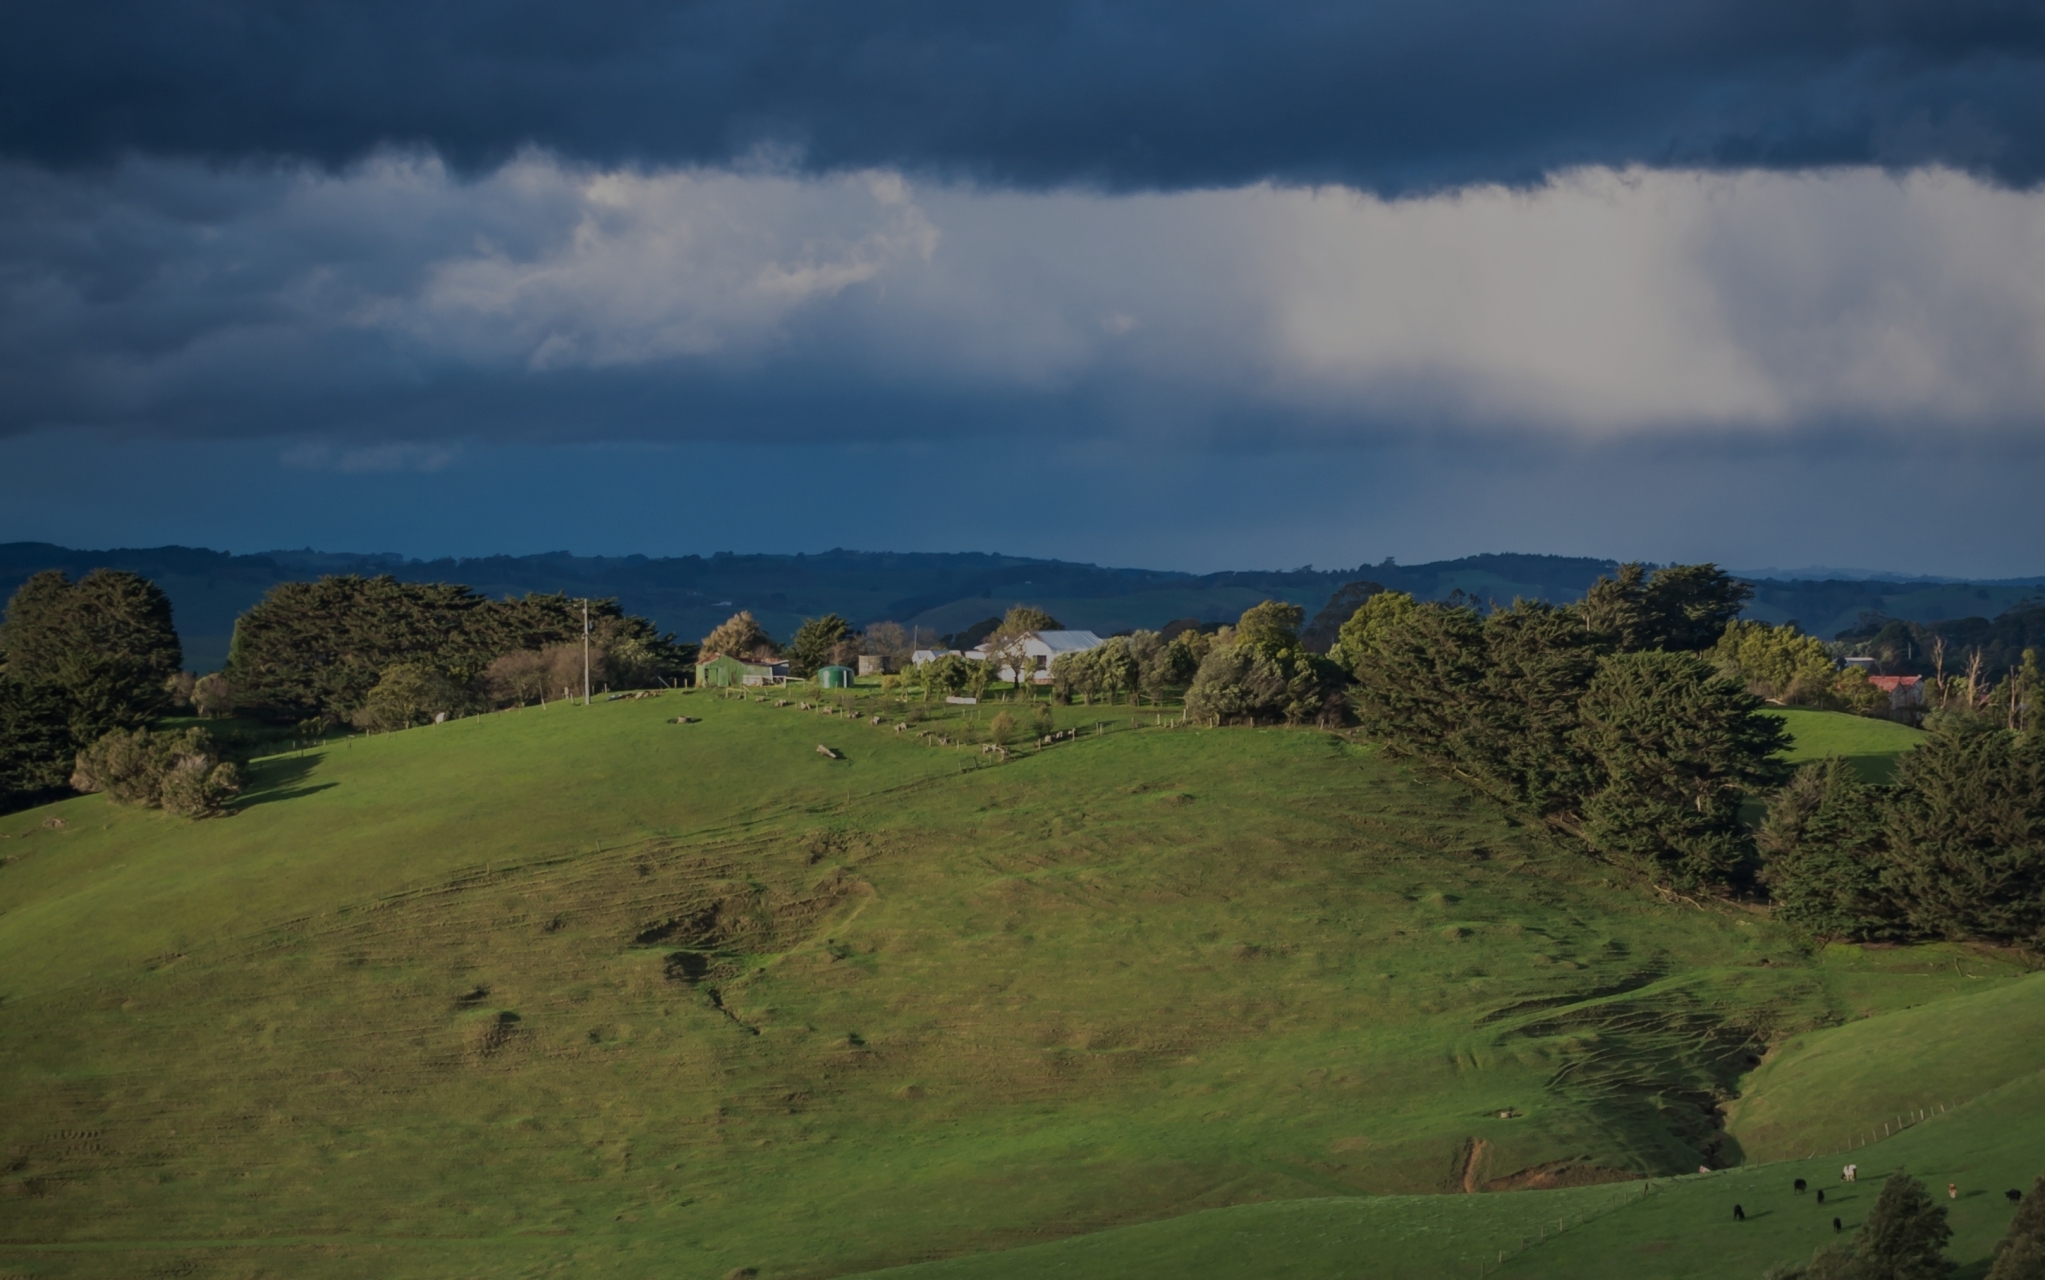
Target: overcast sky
1199	285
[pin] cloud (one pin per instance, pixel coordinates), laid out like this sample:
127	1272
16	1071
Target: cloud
1388	98
399	302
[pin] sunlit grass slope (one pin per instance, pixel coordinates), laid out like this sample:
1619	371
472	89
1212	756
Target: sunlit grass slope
1837	1088
588	992
1870	745
1677	1227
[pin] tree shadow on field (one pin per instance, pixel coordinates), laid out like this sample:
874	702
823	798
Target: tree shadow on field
282	778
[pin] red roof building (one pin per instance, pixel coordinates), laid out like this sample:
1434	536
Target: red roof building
1903	691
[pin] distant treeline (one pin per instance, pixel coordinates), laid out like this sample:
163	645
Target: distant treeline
1953	647
690	594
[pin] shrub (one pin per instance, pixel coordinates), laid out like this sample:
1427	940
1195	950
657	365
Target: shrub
213	696
412	693
178	772
518	677
949	675
1260	674
1238	685
1001	729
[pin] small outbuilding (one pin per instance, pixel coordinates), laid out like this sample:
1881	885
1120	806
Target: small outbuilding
834	677
722	671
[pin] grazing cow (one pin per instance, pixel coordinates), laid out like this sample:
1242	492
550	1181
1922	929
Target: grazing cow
2013	1196
1821	1195
1952	1191
1836	1226
1739	1214
1853	1173
1800	1185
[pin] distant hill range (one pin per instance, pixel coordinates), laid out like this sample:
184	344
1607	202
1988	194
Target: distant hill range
947	593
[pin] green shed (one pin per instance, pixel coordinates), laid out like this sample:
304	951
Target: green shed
720	672
834	677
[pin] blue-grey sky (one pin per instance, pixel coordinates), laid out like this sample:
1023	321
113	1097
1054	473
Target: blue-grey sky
1206	285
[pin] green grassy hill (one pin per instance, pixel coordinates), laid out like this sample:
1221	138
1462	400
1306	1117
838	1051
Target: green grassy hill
1870	745
583	991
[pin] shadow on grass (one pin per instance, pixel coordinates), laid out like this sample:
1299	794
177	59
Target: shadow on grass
283	778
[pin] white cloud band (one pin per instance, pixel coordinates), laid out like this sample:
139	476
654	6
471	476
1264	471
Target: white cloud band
1603	303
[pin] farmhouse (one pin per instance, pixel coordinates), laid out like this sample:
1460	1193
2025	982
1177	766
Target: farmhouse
1039	649
1906	693
718	670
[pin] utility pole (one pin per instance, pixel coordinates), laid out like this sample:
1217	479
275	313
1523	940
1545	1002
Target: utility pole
585	652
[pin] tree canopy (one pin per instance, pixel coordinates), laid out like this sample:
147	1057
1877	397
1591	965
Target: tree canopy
816	643
78	660
319	647
740	636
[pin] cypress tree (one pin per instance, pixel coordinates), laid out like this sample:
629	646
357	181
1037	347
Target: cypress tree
1517	740
104	644
1905	1235
1824	853
1418	669
1674	748
1966	832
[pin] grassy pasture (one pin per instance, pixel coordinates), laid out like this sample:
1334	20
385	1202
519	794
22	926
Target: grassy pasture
584	991
1675	1227
1870	746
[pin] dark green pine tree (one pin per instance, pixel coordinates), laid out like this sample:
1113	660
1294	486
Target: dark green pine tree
2021	1253
1905	1235
104	644
814	640
35	743
1904	1238
1674	748
1966	833
1518	737
1417	668
1823	855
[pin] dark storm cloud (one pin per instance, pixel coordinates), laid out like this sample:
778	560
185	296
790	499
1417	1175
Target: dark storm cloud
1129	95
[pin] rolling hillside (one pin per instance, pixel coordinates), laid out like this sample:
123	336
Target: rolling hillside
586	991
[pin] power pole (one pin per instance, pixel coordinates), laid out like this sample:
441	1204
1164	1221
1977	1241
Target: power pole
585	652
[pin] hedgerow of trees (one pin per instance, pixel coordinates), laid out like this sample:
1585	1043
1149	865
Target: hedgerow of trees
321	648
1954	848
1599	719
